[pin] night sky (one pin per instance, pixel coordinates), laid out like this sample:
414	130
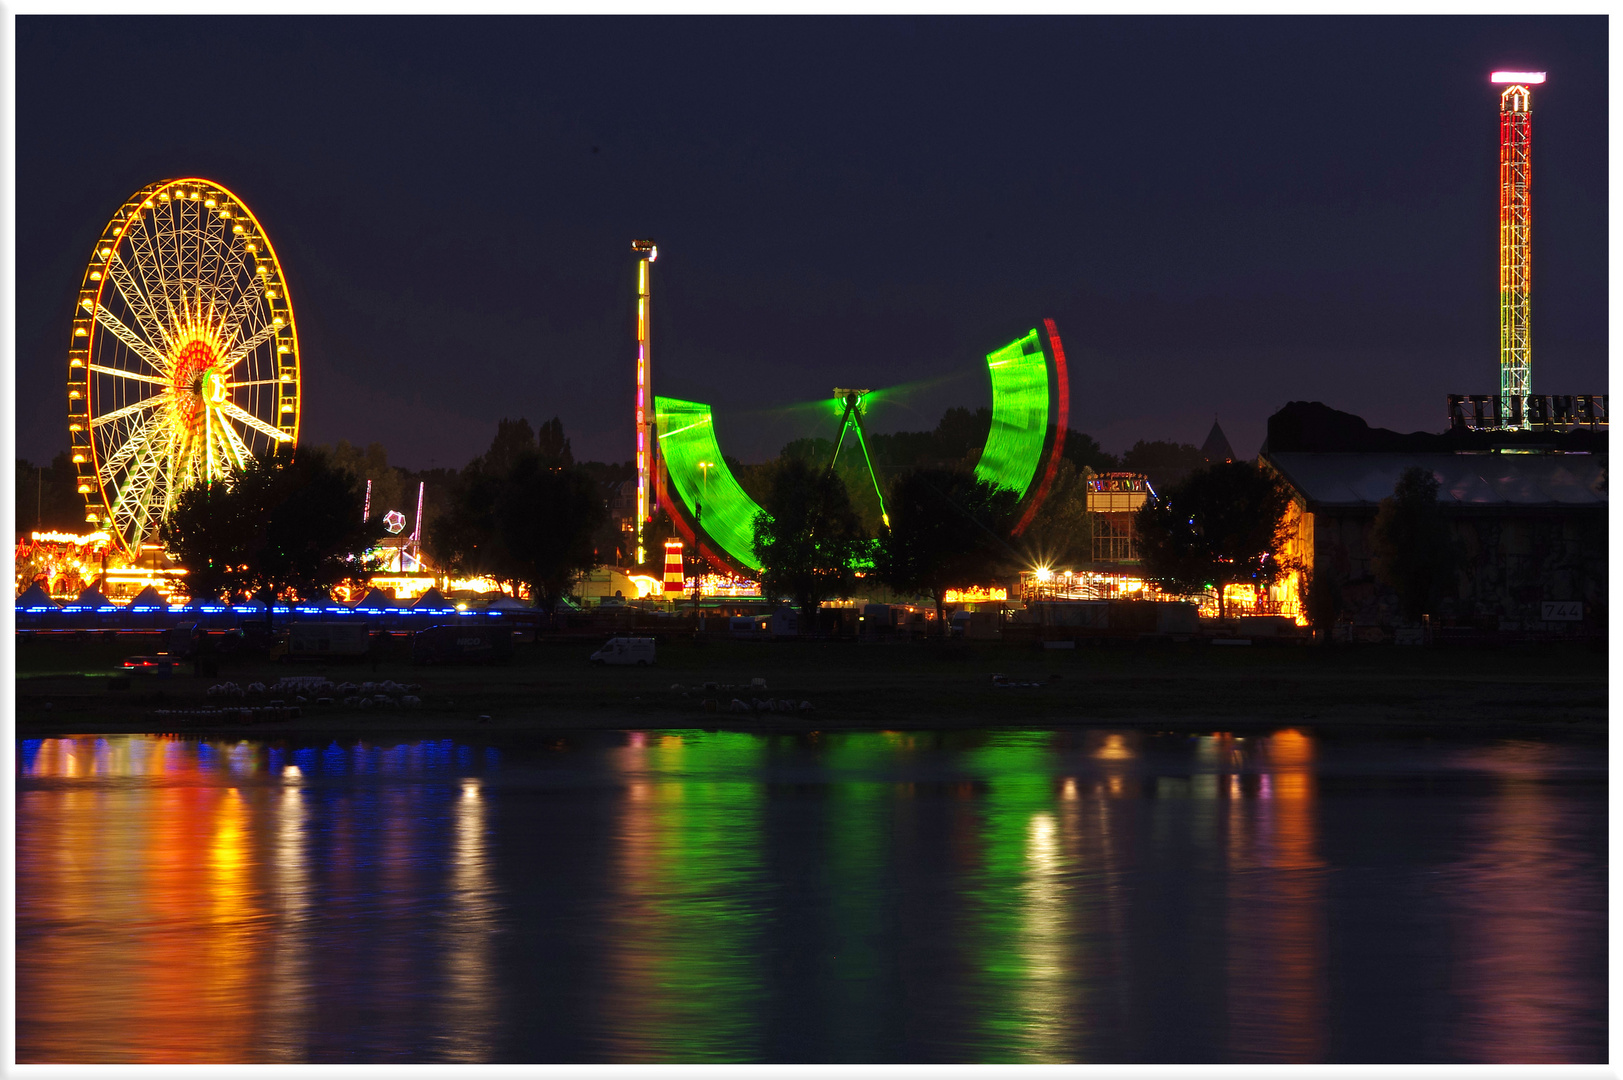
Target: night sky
1221	214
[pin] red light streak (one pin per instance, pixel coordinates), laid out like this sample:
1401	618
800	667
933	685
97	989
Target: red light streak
1062	420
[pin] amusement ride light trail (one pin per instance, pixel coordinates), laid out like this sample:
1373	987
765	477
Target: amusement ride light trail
689	470
188	365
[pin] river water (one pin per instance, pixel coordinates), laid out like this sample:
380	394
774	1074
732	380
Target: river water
998	896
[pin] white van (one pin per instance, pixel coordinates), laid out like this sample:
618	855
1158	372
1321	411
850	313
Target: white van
626	650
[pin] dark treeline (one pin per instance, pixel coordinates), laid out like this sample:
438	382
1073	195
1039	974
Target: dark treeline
48	498
956	443
524	512
1213	523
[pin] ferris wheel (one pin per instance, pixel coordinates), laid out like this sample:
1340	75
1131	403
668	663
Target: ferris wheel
184	361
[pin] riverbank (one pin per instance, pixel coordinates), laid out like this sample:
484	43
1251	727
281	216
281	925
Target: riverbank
66	687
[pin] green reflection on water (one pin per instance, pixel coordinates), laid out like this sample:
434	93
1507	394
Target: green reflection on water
1027	991
859	814
685	977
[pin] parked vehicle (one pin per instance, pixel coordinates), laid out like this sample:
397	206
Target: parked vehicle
626	650
160	666
453	643
323	639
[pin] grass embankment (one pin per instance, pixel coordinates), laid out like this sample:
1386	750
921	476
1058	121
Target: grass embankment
63	686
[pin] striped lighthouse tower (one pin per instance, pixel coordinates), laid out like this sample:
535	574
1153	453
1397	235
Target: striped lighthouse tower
673	569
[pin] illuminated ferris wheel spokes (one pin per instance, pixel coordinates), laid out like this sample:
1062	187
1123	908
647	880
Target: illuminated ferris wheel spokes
187	367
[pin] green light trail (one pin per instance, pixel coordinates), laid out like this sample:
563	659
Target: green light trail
1014	447
687	436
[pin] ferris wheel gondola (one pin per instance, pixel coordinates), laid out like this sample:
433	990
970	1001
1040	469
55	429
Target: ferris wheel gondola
184	360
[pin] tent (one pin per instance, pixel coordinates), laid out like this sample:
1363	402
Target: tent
376	599
506	603
319	598
148	598
35	597
433	598
91	598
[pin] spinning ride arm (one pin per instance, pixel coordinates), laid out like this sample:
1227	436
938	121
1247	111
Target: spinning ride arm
687	436
1014	446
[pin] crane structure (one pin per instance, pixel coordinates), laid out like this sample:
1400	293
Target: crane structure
646	254
1515	239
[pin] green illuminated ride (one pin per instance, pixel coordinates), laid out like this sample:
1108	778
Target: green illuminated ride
1019	415
851	417
711	496
695	467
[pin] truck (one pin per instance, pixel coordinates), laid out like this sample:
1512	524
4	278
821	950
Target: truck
626	650
323	639
452	643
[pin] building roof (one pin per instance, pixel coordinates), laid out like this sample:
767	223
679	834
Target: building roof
1479	481
1216	447
1303	427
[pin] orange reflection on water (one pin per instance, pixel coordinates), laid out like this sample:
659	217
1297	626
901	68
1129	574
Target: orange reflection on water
288	989
168	896
145	908
1528	914
1277	950
470	1005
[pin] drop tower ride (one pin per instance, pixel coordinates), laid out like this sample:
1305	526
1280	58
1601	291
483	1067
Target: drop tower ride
1516	239
646	254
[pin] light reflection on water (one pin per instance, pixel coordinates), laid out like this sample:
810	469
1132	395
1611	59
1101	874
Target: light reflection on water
690	896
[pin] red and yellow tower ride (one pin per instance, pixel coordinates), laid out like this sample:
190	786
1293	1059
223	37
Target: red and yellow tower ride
1516	239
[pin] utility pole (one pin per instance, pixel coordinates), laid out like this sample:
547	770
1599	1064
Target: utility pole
698	530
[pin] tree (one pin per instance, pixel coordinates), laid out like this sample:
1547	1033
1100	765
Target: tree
947	529
1221	526
286	522
464	539
547	518
1061	532
1412	545
808	538
1165	463
48	498
389	491
521	514
1084	452
962	433
1322	600
553	444
513	440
